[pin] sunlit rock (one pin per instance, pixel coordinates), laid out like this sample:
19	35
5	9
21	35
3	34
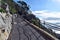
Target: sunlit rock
5	25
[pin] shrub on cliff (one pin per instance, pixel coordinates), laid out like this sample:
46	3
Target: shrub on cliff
2	10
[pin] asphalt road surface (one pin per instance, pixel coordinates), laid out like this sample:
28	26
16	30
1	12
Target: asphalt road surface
23	31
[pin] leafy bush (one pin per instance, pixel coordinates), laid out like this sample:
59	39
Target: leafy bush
13	10
2	10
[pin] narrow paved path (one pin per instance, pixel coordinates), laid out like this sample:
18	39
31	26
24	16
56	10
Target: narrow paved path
23	31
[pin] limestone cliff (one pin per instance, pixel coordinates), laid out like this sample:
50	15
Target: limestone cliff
5	25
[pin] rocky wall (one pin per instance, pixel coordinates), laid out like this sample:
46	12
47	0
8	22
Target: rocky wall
5	25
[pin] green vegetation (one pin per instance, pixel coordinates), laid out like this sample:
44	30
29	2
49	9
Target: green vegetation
36	22
12	10
2	10
11	4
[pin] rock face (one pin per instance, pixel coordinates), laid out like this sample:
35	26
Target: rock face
5	25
